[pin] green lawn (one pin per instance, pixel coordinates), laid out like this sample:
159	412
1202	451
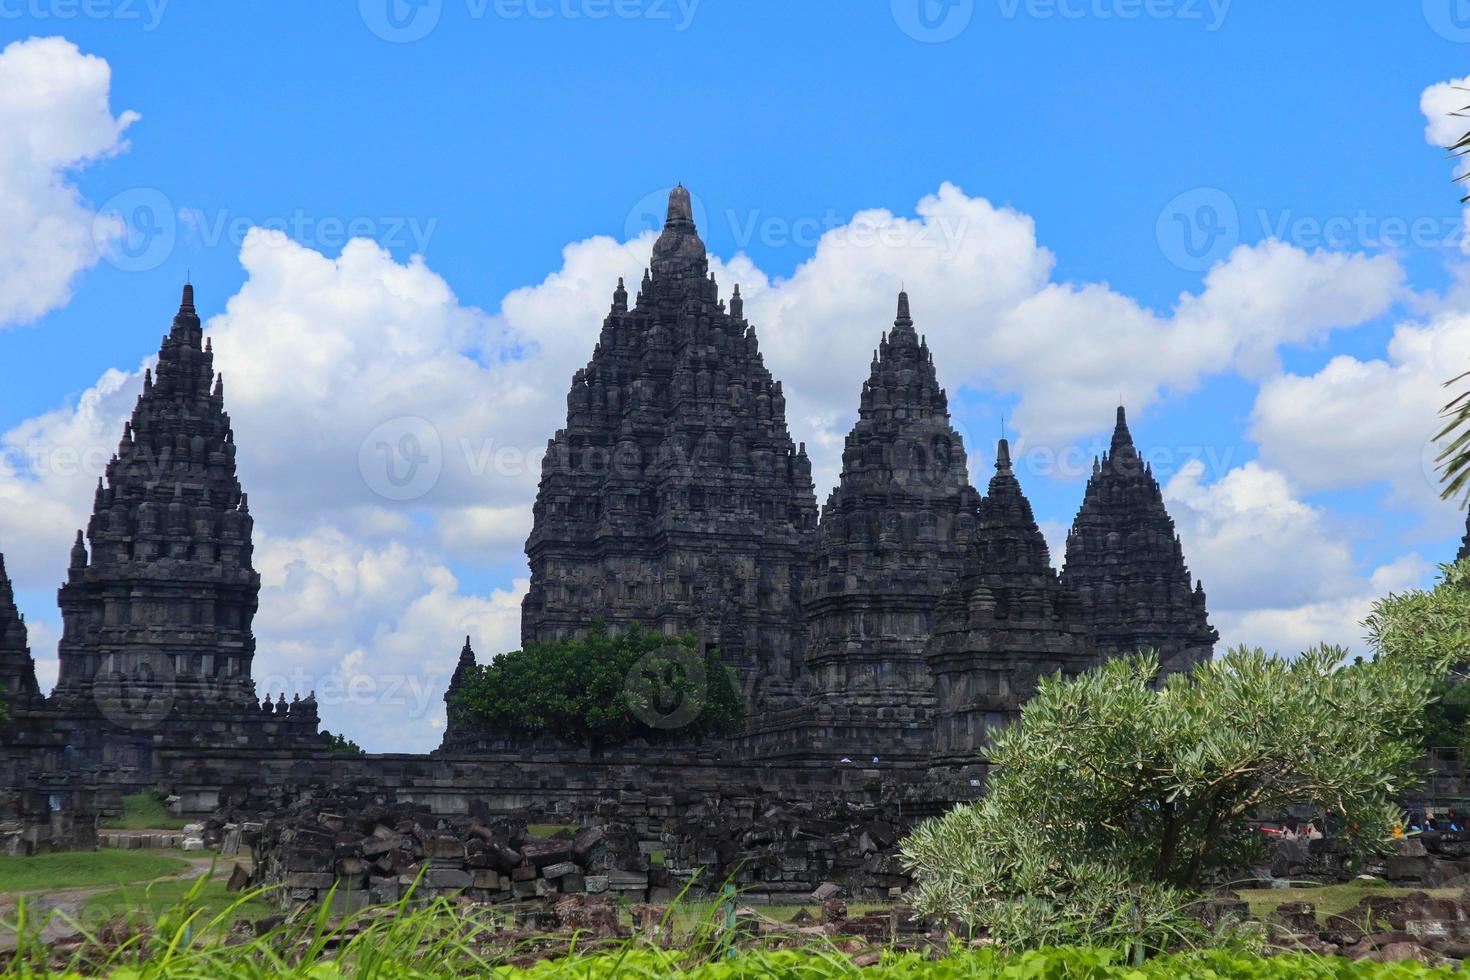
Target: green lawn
158	897
1330	899
144	811
549	829
84	869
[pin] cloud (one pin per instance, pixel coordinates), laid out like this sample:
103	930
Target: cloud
1279	572
55	116
1336	621
1368	421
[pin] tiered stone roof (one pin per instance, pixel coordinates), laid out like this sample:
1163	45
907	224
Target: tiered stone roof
1126	563
892	537
17	668
674	495
159	608
1006	623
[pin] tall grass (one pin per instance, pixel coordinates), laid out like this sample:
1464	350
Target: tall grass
442	938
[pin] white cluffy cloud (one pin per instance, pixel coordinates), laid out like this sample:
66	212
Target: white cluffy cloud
1280	573
55	118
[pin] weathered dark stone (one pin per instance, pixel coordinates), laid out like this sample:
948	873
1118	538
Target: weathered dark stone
17	667
1007	622
892	537
1126	564
675	496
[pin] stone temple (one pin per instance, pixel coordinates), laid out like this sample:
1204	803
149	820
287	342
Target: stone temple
674	496
910	618
901	625
157	643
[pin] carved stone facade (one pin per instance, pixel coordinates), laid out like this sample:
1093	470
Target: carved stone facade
1006	623
167	594
1126	563
675	496
17	668
157	647
893	536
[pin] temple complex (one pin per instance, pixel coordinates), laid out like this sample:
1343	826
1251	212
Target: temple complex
890	635
1126	563
674	496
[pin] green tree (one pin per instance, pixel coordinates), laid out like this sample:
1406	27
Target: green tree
602	690
341	744
1433	626
1112	800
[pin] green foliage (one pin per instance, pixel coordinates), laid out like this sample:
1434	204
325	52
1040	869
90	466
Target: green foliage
602	690
145	811
198	936
1433	627
84	869
1113	798
341	744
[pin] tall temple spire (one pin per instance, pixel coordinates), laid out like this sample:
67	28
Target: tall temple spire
1127	564
675	496
168	590
18	685
893	536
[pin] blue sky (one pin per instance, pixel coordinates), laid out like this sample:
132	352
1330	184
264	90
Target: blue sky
510	131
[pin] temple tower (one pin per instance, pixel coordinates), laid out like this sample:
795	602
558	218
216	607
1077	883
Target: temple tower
892	537
466	663
1006	623
159	599
1126	563
674	496
17	668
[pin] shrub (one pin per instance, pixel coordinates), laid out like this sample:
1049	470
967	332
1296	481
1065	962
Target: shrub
1112	799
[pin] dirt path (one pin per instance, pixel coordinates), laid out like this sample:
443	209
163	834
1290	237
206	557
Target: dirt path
41	904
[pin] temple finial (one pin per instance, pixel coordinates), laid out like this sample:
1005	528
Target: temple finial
681	208
1003	457
903	319
186	305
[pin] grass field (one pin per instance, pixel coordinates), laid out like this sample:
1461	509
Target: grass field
151	900
144	811
1330	899
84	869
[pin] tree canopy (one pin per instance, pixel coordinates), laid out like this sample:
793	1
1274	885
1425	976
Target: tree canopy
1112	798
602	690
